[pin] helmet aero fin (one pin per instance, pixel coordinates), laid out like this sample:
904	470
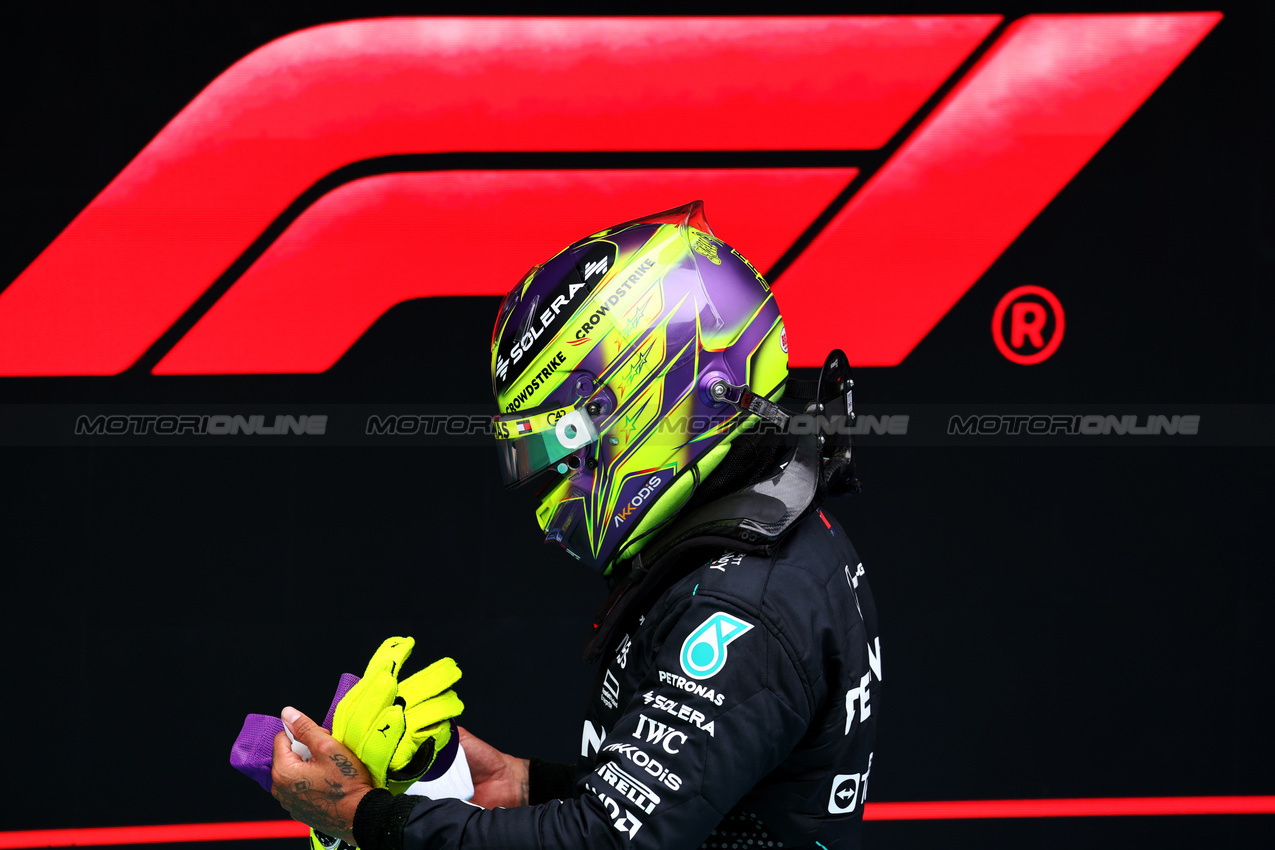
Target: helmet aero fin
603	360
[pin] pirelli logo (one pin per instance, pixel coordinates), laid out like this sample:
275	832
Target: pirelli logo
636	792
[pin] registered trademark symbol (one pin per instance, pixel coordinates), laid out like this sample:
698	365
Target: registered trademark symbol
1027	325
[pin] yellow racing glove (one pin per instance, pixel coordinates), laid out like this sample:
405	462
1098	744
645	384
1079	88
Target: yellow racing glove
397	728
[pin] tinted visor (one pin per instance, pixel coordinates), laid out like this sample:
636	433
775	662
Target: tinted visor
532	441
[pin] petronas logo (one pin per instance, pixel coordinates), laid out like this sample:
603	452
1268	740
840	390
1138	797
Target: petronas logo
704	650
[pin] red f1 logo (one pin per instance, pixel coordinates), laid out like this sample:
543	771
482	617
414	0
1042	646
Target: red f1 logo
1045	94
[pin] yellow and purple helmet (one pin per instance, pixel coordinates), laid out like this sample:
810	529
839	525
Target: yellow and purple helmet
609	363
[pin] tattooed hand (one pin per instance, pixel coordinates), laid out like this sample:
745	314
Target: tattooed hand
324	792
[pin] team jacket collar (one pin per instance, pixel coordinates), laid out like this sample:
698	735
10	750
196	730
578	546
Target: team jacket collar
752	519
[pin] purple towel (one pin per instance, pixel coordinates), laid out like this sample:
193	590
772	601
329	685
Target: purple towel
348	680
253	750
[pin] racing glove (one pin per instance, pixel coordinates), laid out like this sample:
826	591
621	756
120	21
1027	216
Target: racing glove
397	728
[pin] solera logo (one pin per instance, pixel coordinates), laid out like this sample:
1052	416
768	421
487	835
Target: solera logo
201	232
1028	324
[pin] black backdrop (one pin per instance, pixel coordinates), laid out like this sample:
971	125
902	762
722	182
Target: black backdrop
1059	620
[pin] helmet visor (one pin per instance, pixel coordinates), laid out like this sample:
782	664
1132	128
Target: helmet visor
532	441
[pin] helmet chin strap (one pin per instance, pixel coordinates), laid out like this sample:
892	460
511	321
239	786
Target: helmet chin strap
749	402
834	395
836	456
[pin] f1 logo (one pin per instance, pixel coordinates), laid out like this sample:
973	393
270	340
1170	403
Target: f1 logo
206	255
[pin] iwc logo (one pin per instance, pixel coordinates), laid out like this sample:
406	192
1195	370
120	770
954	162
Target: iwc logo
704	650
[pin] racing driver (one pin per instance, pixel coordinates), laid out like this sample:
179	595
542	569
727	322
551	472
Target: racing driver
738	661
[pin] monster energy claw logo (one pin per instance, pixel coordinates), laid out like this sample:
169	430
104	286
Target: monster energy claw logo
704	650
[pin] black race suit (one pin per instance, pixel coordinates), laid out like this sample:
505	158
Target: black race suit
742	705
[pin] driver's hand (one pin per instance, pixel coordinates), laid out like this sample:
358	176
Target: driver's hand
500	780
324	792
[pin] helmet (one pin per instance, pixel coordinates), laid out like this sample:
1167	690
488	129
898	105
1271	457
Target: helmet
618	366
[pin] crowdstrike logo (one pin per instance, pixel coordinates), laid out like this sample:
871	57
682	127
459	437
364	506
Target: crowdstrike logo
536	380
704	650
114	290
609	302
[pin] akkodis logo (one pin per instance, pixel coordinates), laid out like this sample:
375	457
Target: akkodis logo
704	650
